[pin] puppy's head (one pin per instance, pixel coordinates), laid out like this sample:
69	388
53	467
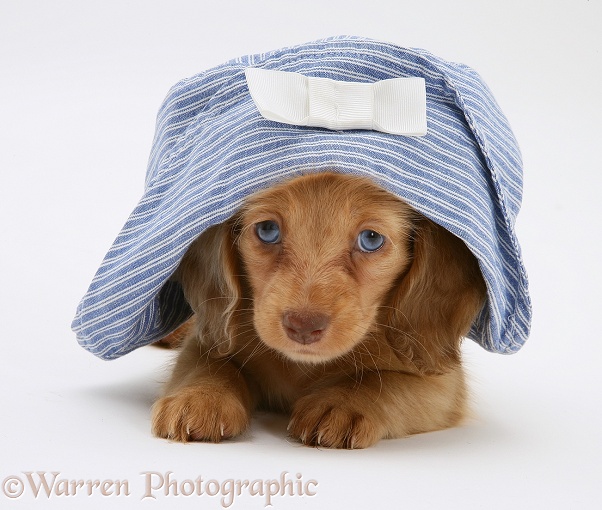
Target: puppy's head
320	253
320	263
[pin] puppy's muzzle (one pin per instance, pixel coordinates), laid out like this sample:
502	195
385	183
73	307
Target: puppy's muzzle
305	327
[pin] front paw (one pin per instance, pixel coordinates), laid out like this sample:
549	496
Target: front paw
199	414
335	421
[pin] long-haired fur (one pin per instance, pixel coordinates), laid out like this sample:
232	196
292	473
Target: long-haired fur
356	345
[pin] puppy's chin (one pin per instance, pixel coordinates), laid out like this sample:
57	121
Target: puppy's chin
311	354
316	353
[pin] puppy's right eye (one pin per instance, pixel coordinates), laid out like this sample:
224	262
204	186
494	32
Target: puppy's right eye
268	232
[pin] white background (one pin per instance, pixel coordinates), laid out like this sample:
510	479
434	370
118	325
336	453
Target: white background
80	85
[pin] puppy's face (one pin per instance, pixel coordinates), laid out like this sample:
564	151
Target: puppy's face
320	253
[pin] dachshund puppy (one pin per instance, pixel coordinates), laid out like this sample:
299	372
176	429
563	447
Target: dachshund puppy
329	299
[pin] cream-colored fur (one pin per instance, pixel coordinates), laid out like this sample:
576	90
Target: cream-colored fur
355	345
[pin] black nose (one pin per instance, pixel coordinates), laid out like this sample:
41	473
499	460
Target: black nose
304	327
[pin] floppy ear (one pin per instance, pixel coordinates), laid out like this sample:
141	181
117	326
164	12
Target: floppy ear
436	301
210	275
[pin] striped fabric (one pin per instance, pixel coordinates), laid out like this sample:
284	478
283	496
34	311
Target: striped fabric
212	149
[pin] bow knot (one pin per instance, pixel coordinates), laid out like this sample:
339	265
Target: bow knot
396	106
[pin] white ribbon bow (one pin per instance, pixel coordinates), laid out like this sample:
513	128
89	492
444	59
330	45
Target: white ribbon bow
396	106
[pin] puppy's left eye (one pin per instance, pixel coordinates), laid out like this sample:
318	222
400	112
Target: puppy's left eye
268	232
369	241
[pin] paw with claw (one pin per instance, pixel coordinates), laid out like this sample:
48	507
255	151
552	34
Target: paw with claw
199	414
335	422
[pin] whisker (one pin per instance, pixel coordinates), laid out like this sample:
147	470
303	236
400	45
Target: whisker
380	379
411	338
259	346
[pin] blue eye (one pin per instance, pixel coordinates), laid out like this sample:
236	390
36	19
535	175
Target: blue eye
369	241
268	231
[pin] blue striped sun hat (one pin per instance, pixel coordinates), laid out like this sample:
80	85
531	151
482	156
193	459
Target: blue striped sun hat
213	148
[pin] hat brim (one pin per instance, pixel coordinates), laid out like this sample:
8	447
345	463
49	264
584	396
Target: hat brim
213	149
